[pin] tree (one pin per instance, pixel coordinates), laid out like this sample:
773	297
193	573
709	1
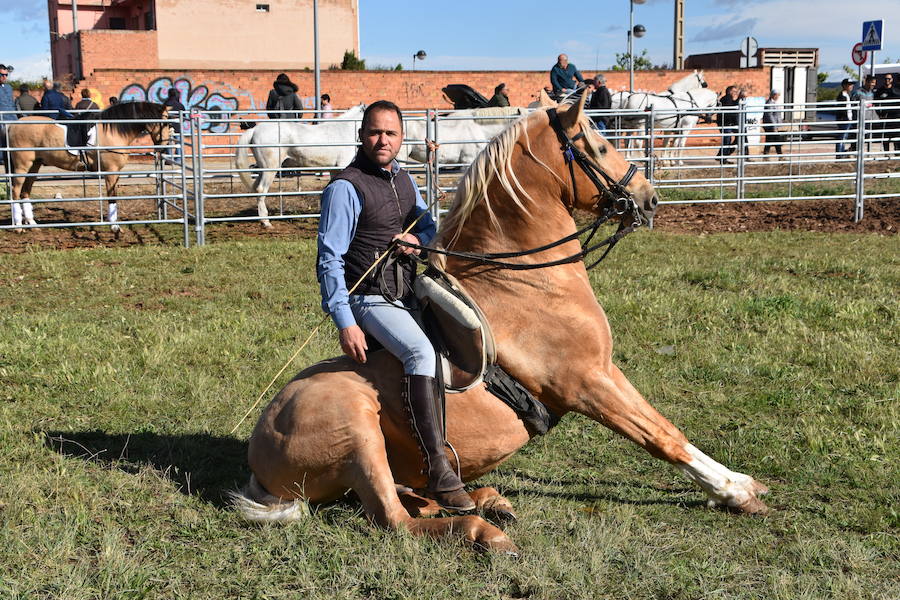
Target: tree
821	77
352	63
641	62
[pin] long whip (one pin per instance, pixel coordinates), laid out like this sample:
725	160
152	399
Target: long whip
438	197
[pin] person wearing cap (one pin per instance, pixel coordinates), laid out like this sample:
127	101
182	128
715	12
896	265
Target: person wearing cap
600	100
500	97
845	119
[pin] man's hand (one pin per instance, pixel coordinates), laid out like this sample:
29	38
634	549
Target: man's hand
407	237
353	343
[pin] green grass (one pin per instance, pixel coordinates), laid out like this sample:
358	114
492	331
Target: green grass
123	371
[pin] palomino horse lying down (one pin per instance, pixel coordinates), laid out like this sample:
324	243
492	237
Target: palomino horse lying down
136	119
340	425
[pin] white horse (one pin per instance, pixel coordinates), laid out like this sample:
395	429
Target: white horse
268	141
460	139
675	114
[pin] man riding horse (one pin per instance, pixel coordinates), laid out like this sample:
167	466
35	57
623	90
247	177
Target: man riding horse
366	207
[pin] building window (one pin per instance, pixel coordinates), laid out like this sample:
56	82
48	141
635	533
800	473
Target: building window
116	23
262	8
148	20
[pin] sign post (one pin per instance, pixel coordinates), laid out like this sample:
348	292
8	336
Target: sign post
872	38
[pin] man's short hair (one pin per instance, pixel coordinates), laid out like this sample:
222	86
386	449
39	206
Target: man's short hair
85	93
24	89
600	79
870	78
380	105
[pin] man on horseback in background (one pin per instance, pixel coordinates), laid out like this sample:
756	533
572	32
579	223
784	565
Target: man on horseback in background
366	206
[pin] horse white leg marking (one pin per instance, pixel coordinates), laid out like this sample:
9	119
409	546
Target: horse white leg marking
722	485
28	212
16	214
114	216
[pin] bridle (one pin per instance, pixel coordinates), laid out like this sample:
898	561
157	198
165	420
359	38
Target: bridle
621	203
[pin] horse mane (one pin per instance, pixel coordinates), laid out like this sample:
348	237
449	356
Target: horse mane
494	161
139	112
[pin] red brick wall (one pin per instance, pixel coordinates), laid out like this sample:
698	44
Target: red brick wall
120	49
409	89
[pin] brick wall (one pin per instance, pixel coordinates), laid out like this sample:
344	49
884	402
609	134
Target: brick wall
409	89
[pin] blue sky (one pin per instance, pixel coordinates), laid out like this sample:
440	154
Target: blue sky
526	34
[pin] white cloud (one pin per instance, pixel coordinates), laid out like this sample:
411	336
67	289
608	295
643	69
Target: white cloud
31	68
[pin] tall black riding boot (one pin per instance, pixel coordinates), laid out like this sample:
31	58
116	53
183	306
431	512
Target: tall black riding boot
444	485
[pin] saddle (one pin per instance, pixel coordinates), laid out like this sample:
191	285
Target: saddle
78	135
465	345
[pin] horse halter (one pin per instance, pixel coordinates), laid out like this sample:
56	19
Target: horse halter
621	203
614	191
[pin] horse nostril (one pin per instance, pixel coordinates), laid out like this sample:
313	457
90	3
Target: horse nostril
653	202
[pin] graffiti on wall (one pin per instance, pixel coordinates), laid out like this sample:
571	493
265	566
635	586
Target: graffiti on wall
191	96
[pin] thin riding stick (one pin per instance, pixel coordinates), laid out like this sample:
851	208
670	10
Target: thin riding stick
439	197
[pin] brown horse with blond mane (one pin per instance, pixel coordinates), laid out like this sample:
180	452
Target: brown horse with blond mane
45	140
340	426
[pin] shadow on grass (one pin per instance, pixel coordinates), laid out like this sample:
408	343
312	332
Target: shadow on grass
674	496
199	464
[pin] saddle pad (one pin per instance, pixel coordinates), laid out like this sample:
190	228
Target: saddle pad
91	138
457	328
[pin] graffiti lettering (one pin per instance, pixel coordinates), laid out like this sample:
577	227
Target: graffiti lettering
192	97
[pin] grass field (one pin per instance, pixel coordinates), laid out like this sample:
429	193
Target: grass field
124	370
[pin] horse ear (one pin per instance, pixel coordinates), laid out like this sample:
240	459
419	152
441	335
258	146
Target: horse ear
545	99
571	116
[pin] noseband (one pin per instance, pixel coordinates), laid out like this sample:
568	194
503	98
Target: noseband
621	203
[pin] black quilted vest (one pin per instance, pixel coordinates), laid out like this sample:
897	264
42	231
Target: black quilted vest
388	207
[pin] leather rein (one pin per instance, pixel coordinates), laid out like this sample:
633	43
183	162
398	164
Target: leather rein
621	202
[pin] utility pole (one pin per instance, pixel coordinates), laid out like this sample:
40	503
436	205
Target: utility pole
316	54
678	51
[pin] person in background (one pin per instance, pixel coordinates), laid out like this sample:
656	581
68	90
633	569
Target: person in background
175	106
26	103
865	96
327	110
563	75
844	113
600	100
283	96
86	103
6	104
772	120
113	100
500	97
365	208
728	123
54	99
889	112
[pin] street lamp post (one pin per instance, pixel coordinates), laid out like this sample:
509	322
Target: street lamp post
420	55
633	32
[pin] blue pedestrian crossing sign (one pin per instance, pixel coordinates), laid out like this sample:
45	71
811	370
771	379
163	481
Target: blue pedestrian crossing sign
872	34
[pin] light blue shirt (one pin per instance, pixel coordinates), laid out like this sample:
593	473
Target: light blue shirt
340	212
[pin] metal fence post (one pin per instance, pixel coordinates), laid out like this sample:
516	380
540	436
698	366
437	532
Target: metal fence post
741	143
860	161
185	206
648	144
436	169
429	170
197	177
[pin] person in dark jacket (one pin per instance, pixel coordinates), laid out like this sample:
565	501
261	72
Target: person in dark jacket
728	122
283	96
889	112
600	100
500	97
54	99
26	103
364	208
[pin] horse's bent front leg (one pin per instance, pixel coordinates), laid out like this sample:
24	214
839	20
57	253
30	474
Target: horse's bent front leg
614	402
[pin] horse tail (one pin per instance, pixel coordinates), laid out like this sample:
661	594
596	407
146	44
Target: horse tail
255	504
241	161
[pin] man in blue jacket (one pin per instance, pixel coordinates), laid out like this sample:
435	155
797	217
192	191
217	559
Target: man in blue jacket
54	99
8	105
563	76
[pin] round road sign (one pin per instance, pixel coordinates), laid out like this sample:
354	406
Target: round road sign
858	54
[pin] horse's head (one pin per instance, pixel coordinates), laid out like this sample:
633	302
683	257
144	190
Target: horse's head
593	175
160	133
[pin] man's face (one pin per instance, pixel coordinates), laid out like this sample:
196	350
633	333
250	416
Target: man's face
563	61
870	84
888	81
733	93
4	74
382	137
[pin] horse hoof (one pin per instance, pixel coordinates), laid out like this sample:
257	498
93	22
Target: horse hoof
267	225
115	229
501	516
18	230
